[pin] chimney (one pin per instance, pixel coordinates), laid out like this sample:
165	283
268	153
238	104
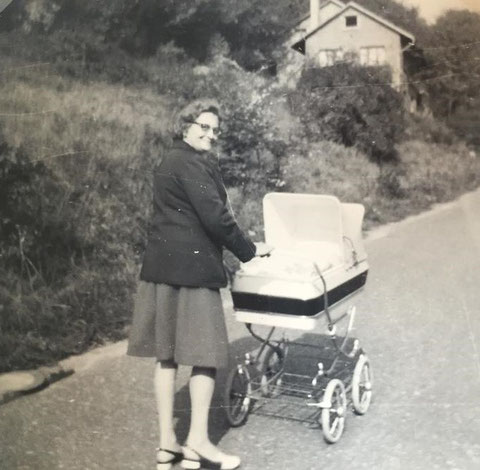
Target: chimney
314	13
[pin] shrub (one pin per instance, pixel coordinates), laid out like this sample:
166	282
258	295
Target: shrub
330	168
430	130
37	240
251	143
68	261
437	173
426	174
350	105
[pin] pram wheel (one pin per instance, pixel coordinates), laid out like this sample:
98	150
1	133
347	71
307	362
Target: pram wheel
271	371
333	413
237	397
362	381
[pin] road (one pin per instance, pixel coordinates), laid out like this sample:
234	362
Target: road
418	319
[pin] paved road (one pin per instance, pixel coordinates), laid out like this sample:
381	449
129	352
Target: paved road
418	319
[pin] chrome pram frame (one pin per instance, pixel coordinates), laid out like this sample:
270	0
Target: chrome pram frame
262	377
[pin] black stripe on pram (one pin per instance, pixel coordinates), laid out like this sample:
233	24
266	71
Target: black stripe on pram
289	306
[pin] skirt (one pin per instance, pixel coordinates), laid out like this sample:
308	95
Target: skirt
183	324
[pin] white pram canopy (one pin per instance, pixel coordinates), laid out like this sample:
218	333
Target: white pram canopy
314	237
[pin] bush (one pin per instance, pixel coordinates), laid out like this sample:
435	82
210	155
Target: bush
37	240
329	168
251	143
429	130
350	105
437	173
67	263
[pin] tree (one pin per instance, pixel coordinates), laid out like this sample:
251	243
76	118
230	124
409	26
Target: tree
351	105
255	29
252	28
453	64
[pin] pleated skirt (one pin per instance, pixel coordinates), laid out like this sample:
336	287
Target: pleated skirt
184	324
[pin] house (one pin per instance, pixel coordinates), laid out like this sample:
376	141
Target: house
336	31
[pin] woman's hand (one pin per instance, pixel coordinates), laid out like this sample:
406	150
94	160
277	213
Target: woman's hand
263	249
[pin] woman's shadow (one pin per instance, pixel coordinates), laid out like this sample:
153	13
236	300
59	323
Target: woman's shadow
218	425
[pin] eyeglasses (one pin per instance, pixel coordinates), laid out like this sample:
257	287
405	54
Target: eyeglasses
206	128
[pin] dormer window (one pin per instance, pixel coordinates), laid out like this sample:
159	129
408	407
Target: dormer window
351	21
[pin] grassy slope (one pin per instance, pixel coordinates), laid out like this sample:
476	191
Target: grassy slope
92	136
80	128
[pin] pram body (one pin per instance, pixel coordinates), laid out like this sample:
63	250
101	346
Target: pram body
317	266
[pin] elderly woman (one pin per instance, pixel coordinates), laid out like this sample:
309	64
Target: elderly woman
178	317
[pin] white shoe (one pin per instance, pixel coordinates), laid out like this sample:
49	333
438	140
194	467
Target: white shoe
193	460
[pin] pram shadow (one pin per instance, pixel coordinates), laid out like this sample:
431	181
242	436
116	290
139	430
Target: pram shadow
303	357
308	350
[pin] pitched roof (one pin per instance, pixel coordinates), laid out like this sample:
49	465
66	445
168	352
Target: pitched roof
371	15
324	4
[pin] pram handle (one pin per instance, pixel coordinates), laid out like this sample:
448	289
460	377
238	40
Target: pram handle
263	249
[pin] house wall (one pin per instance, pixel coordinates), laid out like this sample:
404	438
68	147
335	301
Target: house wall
367	33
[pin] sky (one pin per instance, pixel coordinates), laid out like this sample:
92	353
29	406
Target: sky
431	9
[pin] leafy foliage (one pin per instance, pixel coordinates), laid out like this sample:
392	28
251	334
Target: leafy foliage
36	241
318	170
252	29
350	105
453	69
250	144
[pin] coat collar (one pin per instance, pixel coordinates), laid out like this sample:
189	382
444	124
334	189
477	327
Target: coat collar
182	145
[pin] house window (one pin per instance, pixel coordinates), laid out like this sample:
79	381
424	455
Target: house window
351	21
372	55
328	57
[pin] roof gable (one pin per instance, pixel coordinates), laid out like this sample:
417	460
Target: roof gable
339	4
368	13
336	2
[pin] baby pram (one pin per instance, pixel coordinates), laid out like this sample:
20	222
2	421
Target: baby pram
317	267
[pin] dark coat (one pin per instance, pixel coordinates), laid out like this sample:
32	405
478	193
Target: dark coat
191	222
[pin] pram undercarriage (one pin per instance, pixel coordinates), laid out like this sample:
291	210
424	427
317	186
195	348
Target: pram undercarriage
343	377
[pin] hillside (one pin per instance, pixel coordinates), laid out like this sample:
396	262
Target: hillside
87	91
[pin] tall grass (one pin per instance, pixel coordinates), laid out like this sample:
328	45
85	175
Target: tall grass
50	115
96	141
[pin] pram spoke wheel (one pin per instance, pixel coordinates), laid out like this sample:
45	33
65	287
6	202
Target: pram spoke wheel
271	371
237	397
334	410
362	382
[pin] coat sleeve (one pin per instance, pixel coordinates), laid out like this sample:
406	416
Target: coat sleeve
200	186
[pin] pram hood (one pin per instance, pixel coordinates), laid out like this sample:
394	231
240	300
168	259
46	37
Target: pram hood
309	228
309	233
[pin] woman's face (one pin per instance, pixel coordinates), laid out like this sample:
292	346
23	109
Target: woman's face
203	132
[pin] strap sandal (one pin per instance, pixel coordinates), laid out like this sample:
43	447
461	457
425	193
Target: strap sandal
171	459
193	460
